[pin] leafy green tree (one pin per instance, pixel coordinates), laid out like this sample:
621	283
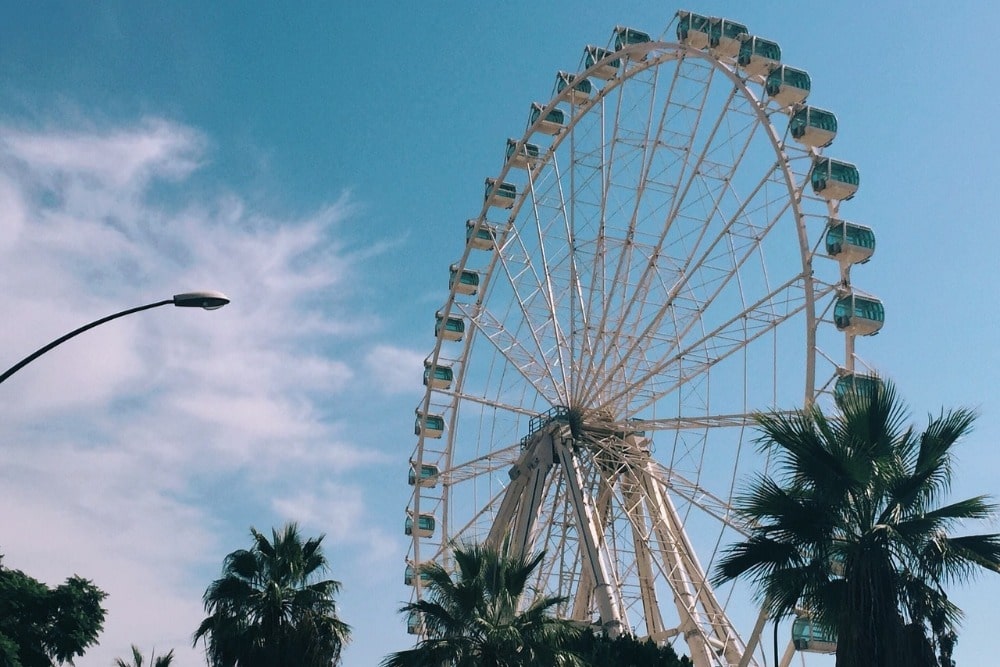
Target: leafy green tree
474	620
42	626
598	650
854	531
271	608
138	661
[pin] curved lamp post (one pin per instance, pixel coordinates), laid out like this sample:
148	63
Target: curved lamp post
206	300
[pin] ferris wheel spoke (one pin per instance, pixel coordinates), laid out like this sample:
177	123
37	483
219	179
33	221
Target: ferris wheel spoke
561	343
534	370
700	497
653	268
482	465
646	150
636	299
663	377
719	264
738	228
473	399
467	530
714	268
686	176
737	420
539	257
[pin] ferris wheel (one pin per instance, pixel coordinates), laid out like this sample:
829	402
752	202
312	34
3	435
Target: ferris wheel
659	256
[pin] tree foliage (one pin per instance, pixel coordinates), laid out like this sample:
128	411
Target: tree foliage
271	608
477	618
138	661
599	650
42	626
854	530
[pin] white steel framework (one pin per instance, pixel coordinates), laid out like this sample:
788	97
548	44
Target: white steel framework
651	285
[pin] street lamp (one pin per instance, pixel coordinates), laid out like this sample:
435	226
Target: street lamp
206	300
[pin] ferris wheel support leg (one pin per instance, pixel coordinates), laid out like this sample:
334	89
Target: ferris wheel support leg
754	638
584	594
644	559
526	516
585	589
521	502
727	642
687	579
594	556
685	598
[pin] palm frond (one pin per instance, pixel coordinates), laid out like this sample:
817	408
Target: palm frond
851	527
980	550
760	557
475	617
269	602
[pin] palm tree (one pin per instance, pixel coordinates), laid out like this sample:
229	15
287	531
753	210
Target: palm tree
477	619
271	608
137	660
853	531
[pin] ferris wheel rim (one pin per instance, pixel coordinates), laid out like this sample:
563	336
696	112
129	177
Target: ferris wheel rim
668	51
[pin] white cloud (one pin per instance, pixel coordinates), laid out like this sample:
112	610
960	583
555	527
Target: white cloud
138	454
398	370
340	509
113	159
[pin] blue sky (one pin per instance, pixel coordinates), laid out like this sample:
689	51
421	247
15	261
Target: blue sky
317	164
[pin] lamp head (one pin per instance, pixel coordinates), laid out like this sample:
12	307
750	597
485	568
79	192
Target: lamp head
207	300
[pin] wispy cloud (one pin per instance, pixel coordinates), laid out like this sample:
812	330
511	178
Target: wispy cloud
341	507
130	451
397	368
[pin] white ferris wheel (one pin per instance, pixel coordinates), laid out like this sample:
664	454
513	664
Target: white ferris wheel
660	255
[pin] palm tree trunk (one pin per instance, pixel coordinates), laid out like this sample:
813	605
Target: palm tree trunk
871	610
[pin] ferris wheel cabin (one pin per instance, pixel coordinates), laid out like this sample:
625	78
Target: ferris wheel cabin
788	86
693	29
630	37
838	565
450	328
855	382
580	87
849	243
500	195
813	127
430	426
423	528
439	376
428	476
834	180
464	281
552	122
808	635
480	235
725	37
414	623
594	54
410	575
859	315
758	56
525	158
